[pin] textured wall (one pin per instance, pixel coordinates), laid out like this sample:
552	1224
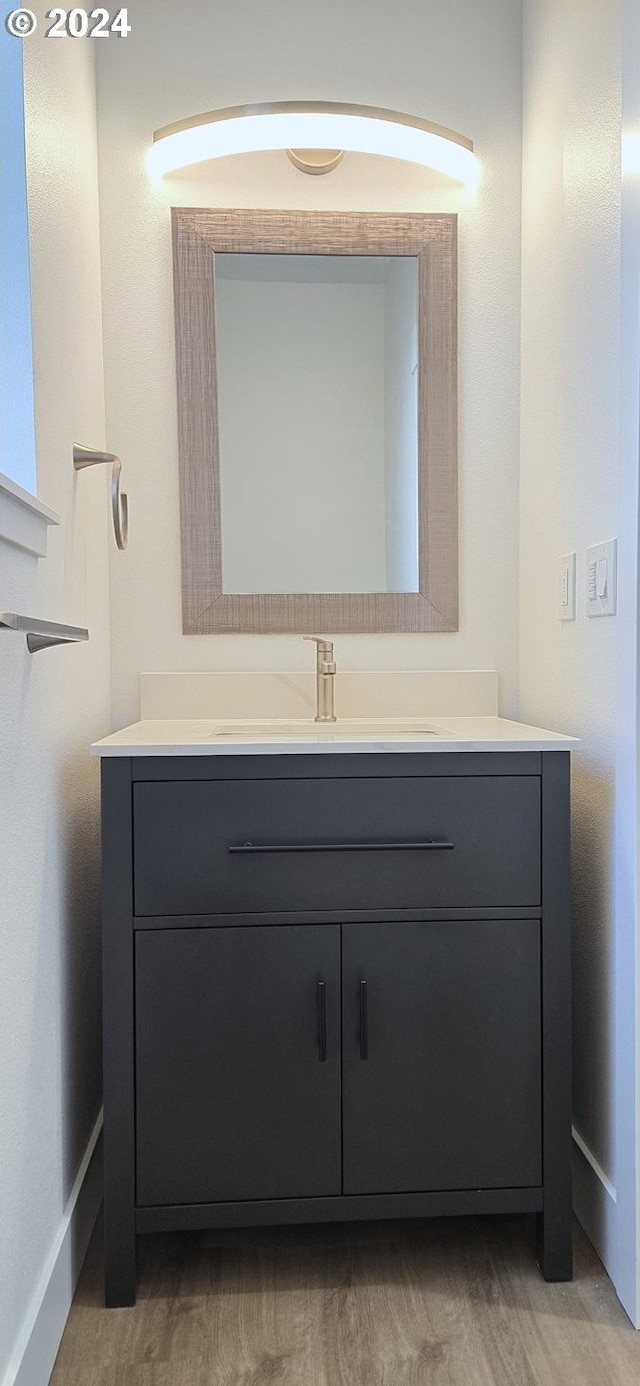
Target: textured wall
578	486
458	64
53	704
569	464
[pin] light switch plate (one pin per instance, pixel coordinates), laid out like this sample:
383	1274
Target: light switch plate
567	608
601	578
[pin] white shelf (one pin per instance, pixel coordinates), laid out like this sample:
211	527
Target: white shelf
24	520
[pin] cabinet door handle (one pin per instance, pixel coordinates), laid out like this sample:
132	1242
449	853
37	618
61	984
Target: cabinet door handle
322	1023
364	1021
432	846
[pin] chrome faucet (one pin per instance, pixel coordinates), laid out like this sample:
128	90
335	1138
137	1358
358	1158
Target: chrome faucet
325	678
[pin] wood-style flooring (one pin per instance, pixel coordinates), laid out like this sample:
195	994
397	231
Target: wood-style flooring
456	1302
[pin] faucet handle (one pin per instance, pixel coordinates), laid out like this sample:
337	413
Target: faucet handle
324	653
324	645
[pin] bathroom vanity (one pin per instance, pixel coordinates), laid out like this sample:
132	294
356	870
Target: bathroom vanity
336	978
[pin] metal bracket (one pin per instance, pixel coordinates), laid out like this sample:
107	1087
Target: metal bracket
41	634
90	457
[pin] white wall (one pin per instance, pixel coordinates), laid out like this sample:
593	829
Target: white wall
578	486
300	379
457	63
53	704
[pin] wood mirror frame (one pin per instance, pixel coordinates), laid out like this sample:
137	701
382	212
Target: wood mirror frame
432	238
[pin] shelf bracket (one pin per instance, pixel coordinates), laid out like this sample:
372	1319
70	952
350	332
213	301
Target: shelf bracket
41	634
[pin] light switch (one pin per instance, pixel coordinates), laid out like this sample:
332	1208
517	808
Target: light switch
567	611
601	579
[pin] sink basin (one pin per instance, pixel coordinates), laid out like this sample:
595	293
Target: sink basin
346	729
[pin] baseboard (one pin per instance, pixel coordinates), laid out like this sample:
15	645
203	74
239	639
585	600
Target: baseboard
35	1350
594	1202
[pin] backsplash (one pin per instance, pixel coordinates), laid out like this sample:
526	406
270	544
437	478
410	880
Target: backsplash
259	693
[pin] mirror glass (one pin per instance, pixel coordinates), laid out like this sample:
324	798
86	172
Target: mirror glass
317	378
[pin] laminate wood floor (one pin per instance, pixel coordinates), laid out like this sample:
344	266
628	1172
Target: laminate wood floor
455	1302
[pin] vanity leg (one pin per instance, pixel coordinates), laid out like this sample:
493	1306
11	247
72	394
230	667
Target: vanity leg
554	1247
119	1263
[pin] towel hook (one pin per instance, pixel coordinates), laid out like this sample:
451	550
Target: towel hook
89	457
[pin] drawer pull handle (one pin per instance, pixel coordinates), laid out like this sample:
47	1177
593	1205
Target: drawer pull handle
364	1021
432	846
322	1023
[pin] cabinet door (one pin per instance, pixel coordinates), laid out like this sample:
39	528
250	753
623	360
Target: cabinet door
237	1090
441	1056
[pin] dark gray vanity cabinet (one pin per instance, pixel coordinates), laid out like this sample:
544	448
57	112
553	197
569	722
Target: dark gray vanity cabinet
335	987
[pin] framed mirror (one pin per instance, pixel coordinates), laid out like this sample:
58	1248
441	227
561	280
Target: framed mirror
316	376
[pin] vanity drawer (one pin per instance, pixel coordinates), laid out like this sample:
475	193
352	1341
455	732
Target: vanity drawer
228	846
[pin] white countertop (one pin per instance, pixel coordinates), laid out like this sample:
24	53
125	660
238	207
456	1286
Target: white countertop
197	737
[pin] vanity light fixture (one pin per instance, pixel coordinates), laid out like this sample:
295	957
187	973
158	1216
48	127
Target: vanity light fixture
302	127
